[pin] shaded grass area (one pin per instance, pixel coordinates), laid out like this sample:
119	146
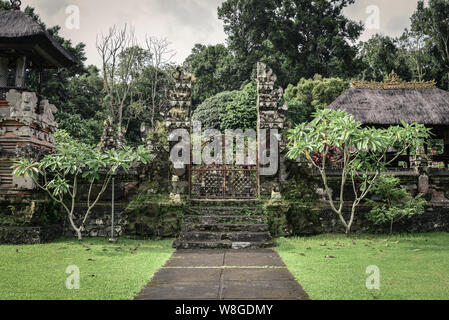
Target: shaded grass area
332	267
107	271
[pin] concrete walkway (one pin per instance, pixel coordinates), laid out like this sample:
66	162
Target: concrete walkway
258	274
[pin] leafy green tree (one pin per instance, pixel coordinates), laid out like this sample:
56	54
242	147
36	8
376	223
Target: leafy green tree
379	56
81	116
210	112
310	95
241	112
334	137
432	22
59	174
414	49
395	202
85	130
215	70
297	38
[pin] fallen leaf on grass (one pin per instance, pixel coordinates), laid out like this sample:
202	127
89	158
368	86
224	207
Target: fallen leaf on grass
302	254
309	248
329	257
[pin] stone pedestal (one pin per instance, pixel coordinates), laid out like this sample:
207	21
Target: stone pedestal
26	130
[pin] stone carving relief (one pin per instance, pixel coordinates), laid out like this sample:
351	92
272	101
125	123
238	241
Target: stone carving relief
272	114
180	99
23	108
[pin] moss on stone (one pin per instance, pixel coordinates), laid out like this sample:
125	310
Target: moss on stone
154	216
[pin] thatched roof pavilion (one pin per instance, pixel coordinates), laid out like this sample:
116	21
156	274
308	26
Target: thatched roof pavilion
393	101
27	121
382	104
20	34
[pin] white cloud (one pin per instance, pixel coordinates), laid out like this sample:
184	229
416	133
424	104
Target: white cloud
182	22
185	22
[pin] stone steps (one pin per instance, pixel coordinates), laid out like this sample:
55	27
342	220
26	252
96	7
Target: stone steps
233	219
245	203
240	236
226	227
225	224
224	244
225	211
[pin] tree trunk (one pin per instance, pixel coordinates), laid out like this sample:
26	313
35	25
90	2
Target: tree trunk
77	230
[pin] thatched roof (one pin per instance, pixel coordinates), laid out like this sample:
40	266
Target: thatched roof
429	106
16	27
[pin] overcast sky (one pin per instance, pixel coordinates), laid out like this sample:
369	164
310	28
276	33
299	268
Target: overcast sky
186	22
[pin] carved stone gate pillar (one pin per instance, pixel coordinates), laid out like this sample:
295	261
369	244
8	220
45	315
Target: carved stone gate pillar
271	125
178	125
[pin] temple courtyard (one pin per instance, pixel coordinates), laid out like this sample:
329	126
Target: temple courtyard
326	267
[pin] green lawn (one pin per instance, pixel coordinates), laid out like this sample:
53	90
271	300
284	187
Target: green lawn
107	271
412	266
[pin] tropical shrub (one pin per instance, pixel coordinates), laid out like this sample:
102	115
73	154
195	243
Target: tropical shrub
210	111
395	202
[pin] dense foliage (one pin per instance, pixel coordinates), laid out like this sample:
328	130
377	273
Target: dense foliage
210	111
333	137
394	204
310	95
229	110
215	70
297	38
241	112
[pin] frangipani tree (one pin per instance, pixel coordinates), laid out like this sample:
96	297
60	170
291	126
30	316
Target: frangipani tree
361	152
59	174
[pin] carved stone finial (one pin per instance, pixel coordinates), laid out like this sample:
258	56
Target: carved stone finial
180	98
15	4
271	113
393	82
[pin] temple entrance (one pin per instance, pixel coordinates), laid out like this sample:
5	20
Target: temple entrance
224	177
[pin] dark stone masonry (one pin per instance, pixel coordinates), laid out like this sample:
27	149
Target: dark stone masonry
30	235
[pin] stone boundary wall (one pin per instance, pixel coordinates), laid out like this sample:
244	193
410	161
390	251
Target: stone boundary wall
30	235
434	219
292	219
153	219
99	222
